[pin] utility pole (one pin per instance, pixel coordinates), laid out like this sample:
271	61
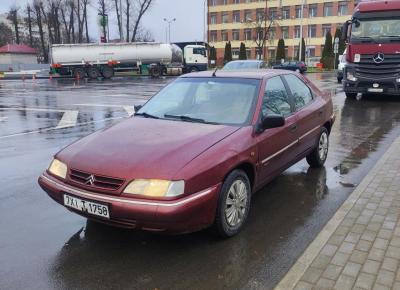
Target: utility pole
169	27
301	29
205	20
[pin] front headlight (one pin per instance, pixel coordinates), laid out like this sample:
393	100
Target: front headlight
351	77
155	188
58	168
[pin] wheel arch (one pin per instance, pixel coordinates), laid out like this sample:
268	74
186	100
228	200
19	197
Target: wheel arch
248	168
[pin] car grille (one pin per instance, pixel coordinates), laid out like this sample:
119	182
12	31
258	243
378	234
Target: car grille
95	181
389	68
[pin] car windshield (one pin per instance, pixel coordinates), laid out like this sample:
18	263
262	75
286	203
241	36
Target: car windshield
205	100
241	65
372	29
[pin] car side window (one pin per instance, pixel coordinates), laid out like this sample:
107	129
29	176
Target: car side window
276	99
300	91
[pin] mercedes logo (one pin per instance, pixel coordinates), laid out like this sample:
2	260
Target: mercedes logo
379	57
90	180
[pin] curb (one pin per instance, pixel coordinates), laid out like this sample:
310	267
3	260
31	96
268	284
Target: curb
295	273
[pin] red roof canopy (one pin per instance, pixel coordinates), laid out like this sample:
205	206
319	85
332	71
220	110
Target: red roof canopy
17	48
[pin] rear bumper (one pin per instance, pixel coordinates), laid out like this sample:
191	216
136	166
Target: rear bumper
190	213
388	86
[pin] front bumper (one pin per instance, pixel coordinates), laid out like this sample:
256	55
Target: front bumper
187	214
388	86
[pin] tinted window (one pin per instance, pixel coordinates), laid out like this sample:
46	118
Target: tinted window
276	99
301	93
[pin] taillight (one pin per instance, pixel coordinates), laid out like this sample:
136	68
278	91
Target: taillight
56	65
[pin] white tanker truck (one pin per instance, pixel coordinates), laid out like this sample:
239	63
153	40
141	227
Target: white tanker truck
94	60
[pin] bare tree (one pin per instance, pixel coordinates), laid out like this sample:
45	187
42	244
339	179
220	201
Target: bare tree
118	11
37	8
127	16
103	9
141	6
144	35
13	17
28	21
85	4
6	34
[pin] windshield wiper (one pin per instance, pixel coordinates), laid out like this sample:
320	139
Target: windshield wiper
188	119
147	115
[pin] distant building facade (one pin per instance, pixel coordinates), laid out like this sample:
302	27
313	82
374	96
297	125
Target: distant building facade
239	20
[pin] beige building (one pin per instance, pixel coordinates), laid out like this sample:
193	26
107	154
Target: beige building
239	20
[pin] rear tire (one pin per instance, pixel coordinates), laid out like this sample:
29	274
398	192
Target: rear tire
107	72
318	156
233	204
93	73
79	73
351	95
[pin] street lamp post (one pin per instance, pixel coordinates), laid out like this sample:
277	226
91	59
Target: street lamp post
169	27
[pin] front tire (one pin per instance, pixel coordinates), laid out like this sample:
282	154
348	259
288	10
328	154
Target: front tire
318	156
233	204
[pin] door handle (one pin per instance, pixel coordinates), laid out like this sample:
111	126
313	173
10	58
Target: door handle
293	128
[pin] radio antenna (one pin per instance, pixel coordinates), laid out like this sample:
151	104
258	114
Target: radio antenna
214	73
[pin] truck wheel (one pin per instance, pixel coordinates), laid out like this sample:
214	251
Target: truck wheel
233	204
79	73
155	72
351	95
107	72
93	73
194	69
318	156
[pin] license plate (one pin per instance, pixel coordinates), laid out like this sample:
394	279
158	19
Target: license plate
86	206
375	90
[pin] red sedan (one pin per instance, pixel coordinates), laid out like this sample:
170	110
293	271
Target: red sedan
192	156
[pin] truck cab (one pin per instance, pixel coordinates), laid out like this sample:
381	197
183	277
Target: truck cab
373	49
195	56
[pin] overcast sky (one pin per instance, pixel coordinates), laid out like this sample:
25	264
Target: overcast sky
189	14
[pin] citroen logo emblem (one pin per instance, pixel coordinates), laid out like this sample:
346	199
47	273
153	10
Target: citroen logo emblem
379	57
90	180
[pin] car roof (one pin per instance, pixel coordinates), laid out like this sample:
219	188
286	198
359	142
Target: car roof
247	74
246	60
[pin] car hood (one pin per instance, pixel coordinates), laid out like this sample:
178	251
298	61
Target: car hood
143	148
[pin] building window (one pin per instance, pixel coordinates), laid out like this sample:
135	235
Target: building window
343	8
236	16
213	18
225	17
213	2
237	1
271	33
248	53
285	32
312	10
213	36
247	35
235	53
272	54
225	2
297	32
310	51
224	35
286	12
298	11
248	15
312	30
273	14
328	9
325	29
260	15
235	35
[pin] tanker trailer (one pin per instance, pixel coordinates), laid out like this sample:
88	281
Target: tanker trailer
95	60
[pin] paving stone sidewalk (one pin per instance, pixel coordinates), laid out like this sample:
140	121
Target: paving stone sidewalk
360	246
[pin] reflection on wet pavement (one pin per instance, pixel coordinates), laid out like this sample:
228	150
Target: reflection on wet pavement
43	246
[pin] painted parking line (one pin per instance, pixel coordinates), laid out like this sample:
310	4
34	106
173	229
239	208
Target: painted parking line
3	119
69	118
128	108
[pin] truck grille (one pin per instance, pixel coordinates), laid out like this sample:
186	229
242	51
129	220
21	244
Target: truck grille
389	68
95	181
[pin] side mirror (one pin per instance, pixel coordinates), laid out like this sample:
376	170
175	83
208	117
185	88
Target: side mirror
345	29
271	121
137	107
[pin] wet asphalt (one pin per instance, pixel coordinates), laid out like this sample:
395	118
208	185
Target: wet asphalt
44	246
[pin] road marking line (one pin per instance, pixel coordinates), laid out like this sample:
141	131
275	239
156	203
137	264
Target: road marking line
69	119
3	119
33	109
130	110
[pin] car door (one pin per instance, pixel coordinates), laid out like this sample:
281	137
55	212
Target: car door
277	147
309	112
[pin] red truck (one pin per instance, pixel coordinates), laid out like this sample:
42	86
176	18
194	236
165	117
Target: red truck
373	49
